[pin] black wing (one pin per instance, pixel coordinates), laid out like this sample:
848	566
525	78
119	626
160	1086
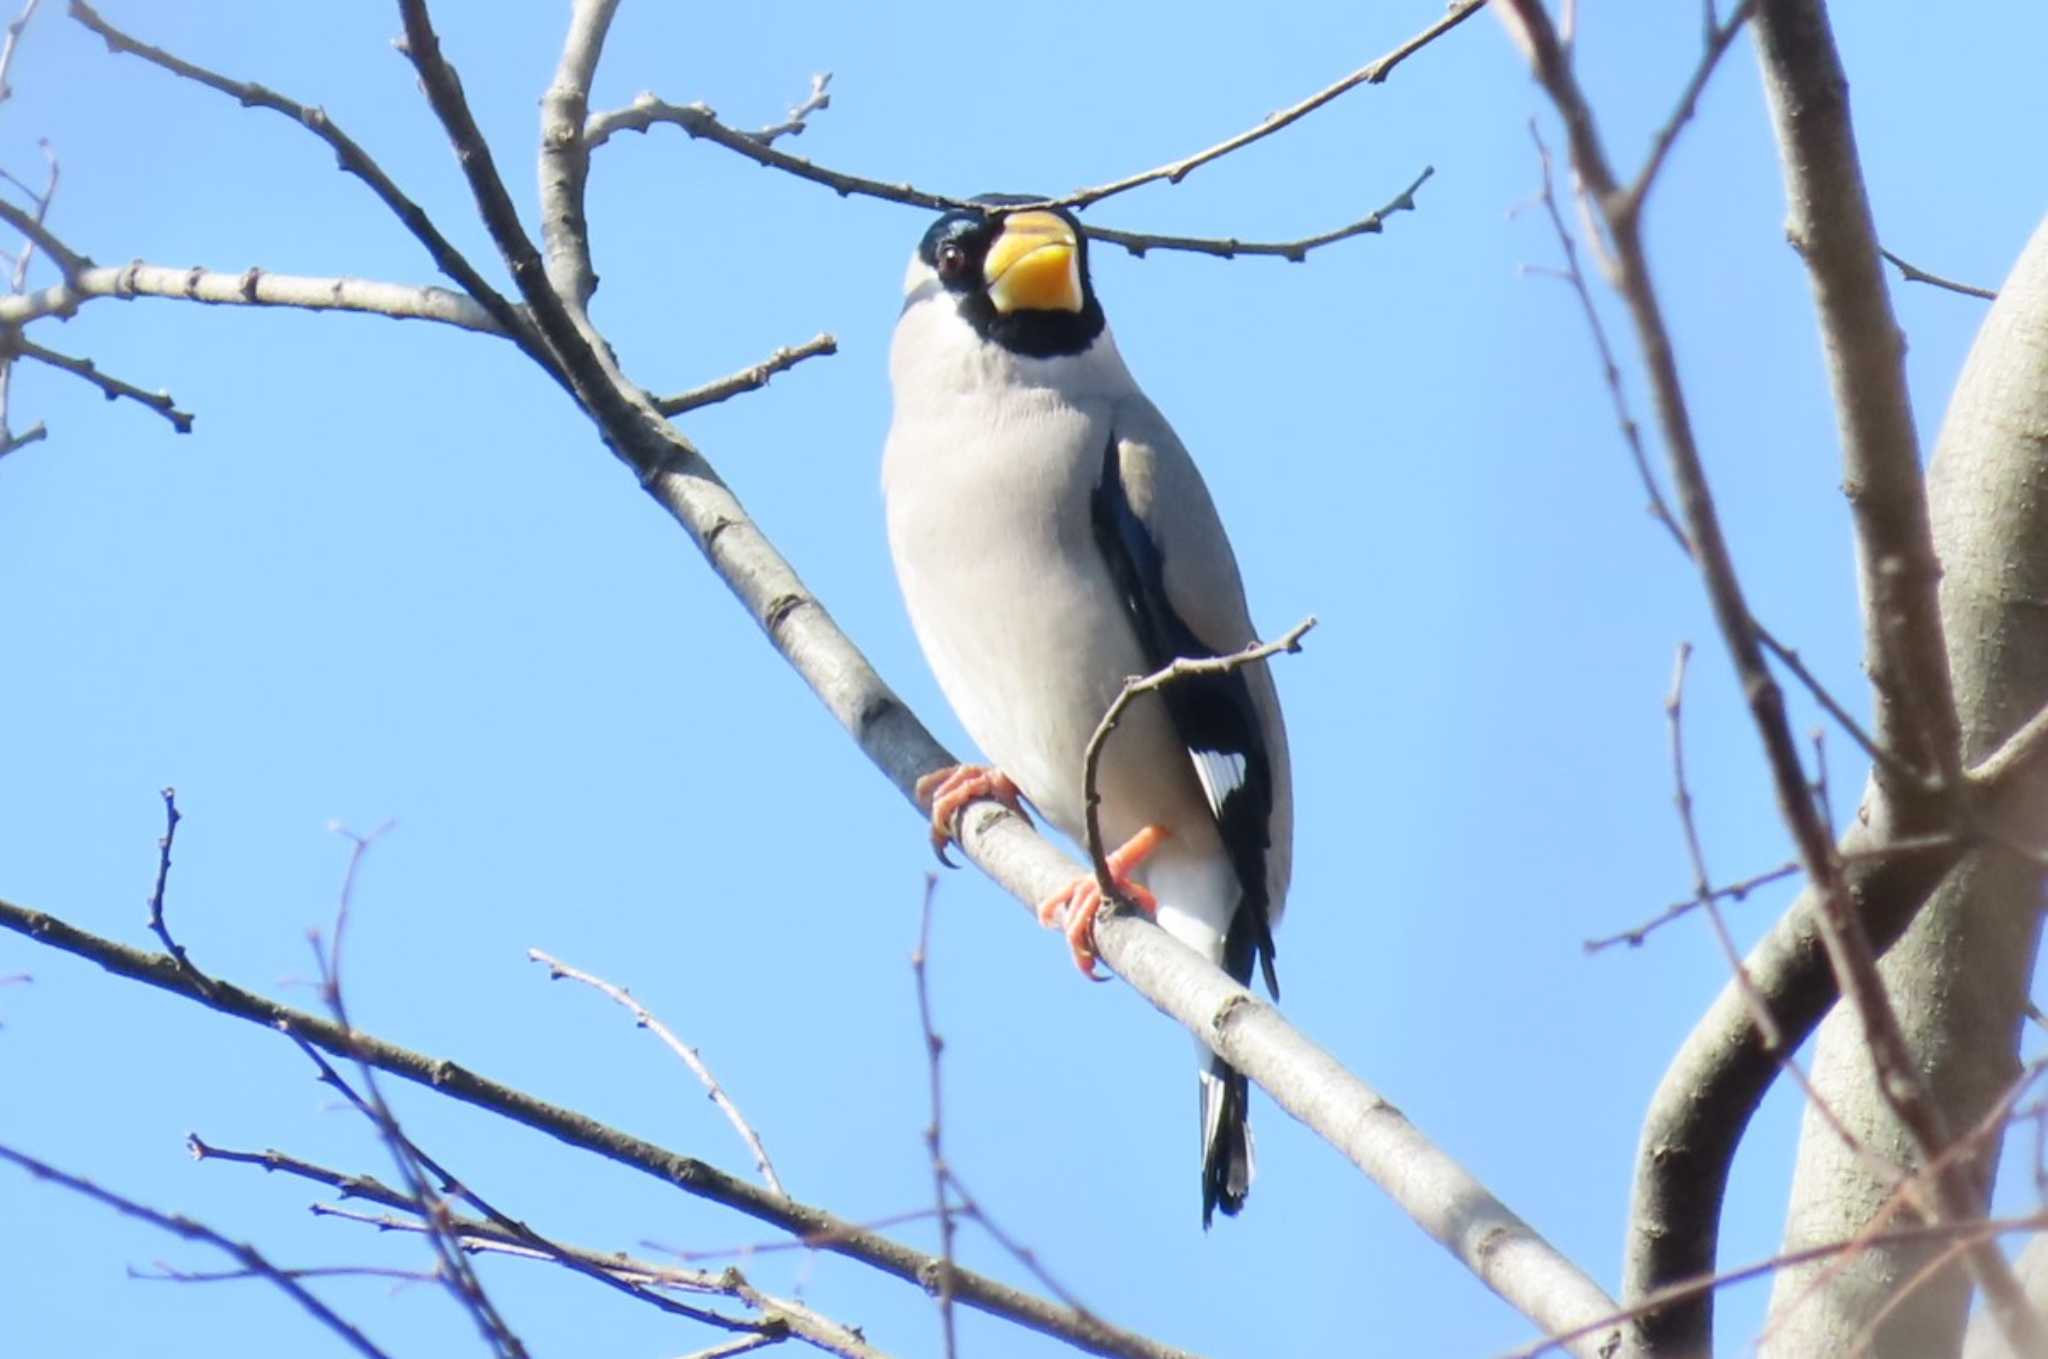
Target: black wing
1214	715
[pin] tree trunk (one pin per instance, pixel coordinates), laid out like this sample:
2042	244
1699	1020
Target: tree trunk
1959	976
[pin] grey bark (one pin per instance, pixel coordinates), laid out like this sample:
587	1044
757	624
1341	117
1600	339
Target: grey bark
1959	975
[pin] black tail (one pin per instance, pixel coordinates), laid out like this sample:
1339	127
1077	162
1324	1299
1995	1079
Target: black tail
1226	1141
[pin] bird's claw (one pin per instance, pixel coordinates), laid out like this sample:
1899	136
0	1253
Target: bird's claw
948	791
1074	907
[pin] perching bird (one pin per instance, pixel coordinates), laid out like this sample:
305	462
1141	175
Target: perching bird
1053	539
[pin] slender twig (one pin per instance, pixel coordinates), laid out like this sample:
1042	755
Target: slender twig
1610	371
1138	242
799	115
942	1285
692	1176
777	1316
1702	889
111	387
971	1208
745	1344
163	1273
691	1058
1912	273
68	261
157	924
1372	73
699	121
459	1230
747	379
1714	44
353	160
9	441
1136	687
455	1271
1905	773
14	28
178	1225
1734	891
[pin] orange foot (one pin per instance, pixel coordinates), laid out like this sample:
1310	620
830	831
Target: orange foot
947	791
1076	905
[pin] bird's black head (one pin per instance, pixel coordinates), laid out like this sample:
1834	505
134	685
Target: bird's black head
1020	277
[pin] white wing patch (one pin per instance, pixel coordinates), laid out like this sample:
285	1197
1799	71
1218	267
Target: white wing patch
1221	773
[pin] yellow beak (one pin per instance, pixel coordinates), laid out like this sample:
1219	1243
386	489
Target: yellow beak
1034	265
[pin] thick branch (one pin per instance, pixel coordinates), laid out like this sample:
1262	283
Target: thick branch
1842	931
251	288
1829	224
565	157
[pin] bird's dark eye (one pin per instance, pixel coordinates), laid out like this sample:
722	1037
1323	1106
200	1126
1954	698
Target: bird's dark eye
952	260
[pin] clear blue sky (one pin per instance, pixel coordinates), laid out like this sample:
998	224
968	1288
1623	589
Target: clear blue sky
393	575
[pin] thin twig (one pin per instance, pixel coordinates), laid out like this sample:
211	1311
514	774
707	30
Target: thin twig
691	1058
113	388
353	160
1136	686
14	28
455	1271
1912	273
68	261
1734	891
181	1226
1702	891
1372	73
1138	242
699	121
971	1209
451	1080
799	116
164	1273
1610	371
747	379
157	924
1714	45
942	1285
1890	760
463	1231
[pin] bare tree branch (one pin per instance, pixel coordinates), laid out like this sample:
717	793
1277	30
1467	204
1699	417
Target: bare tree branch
1843	932
111	387
1912	273
747	379
353	159
1372	73
1829	224
248	1256
699	121
688	1174
13	43
251	288
799	115
636	1277
647	1019
934	1132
